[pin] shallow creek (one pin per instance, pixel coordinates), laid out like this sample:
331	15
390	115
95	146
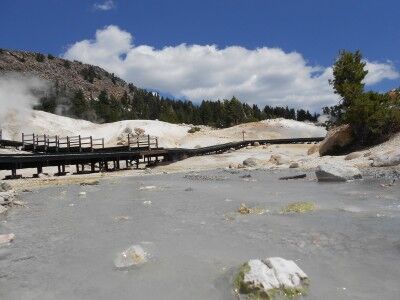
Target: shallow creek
66	242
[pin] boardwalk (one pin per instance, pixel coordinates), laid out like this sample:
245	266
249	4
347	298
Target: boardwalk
89	153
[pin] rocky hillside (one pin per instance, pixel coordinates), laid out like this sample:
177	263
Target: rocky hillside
72	75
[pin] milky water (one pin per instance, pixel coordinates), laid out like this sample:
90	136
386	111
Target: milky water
66	243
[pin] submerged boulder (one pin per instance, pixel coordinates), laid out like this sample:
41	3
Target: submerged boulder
133	256
330	172
274	276
386	159
336	140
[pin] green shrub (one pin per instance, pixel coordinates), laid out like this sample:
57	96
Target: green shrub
50	56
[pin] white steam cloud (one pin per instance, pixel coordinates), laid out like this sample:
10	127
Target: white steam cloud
18	94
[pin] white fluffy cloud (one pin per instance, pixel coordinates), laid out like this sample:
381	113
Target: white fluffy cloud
260	76
106	5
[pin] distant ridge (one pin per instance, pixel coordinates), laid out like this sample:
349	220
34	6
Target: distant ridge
70	75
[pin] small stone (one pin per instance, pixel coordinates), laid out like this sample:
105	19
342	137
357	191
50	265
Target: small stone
148	187
294	165
133	256
256	144
147	203
6	238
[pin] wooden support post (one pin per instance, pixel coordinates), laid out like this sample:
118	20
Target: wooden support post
39	169
148	141
127	164
92	167
102	141
91	144
77	168
157	142
138	141
118	164
129	141
137	163
80	143
68	143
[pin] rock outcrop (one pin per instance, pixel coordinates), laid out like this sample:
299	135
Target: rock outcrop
330	172
386	159
275	276
336	140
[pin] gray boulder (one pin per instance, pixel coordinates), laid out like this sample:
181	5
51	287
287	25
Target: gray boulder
330	172
252	162
386	159
275	276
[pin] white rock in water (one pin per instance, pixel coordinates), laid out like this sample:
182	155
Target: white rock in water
148	187
271	276
6	238
387	159
134	255
330	172
82	194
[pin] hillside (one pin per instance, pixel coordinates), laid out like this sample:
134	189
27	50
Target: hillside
71	75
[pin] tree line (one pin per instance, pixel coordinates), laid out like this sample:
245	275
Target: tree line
142	104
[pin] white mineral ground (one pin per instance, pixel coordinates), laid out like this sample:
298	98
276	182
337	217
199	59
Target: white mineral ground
176	135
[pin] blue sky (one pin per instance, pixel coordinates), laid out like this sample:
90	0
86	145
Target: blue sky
314	29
